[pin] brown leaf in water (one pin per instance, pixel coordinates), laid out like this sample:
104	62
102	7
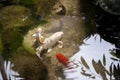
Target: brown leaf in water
110	69
114	59
86	74
103	71
83	70
104	60
84	63
96	67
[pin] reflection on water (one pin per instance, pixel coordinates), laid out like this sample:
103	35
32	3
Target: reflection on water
9	72
95	61
107	27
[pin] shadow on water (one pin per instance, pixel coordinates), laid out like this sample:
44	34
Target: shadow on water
99	56
87	9
107	27
107	23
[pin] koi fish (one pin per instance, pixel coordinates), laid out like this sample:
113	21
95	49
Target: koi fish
62	59
48	43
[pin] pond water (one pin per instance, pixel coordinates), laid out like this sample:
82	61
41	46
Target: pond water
98	57
94	48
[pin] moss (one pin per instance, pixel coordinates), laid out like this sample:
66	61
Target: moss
28	48
28	65
15	16
29	2
0	45
1	5
13	27
12	39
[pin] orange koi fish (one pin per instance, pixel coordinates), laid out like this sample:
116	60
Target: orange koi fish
62	59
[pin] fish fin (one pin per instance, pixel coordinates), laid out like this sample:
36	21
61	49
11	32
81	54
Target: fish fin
49	50
60	44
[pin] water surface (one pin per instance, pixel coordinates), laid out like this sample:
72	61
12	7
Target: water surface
94	48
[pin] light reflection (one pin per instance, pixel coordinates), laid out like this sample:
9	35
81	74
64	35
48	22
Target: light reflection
10	73
93	49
